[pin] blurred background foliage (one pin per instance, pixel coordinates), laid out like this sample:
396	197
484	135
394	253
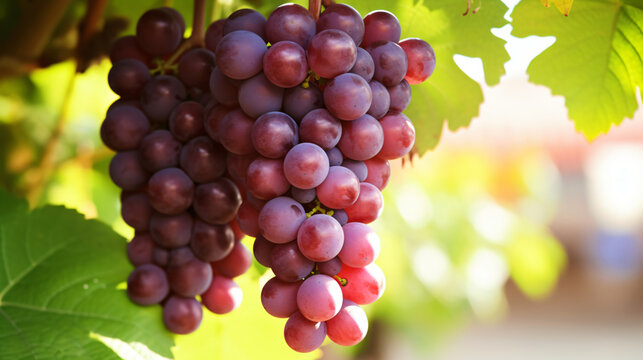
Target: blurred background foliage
458	226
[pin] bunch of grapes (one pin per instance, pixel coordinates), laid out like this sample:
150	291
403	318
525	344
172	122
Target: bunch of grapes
176	192
310	123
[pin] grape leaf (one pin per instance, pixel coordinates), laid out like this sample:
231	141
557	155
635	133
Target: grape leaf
596	62
58	296
564	6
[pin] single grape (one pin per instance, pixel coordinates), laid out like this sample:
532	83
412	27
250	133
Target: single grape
381	25
379	172
364	65
331	53
195	67
400	96
342	17
421	59
214	34
363	285
182	315
179	256
240	53
290	22
211	242
279	298
217	202
203	159
303	196
349	326
331	267
321	128
320	238
319	298
280	218
335	157
147	285
223	89
361	245
262	249
285	64
158	33
171	231
139	250
273	134
362	138
266	179
234	132
341	216
340	189
159	150
299	101
303	335
247	218
399	136
381	100
160	95
246	19
223	295
124	128
390	62
236	263
306	165
136	210
258	95
357	167
348	96
122	102
170	191
186	120
176	15
190	278
160	256
127	78
237	165
126	47
289	264
213	120
368	206
126	171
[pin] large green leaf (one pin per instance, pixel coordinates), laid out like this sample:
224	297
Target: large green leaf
596	62
58	295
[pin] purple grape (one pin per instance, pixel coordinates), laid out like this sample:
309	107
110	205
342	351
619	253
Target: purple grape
421	58
186	120
303	196
381	100
236	263
285	64
234	132
400	96
379	172
203	159
279	298
182	315
364	65
266	179
335	157
170	191
299	101
331	52
321	128
319	298
262	249
381	25
349	326
211	242
303	335
290	22
171	231
190	278
195	67
247	219
127	78
159	150
139	250
306	165
158	33
390	62
123	128
237	165
160	256
223	295
358	167
213	120
348	96
240	53
127	47
342	17
331	267
223	89
160	95
273	134
340	189
217	202
368	206
289	264
320	238
246	19
126	171
361	139
147	285
258	96
280	218
399	136
214	34
136	210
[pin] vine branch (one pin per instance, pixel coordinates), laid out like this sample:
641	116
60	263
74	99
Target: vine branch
197	36
314	7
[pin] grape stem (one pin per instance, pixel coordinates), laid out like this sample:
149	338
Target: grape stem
314	7
196	39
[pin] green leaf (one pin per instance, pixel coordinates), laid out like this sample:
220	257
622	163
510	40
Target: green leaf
449	94
58	279
564	6
596	62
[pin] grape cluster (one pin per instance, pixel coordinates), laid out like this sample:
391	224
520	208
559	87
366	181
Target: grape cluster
176	190
310	123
